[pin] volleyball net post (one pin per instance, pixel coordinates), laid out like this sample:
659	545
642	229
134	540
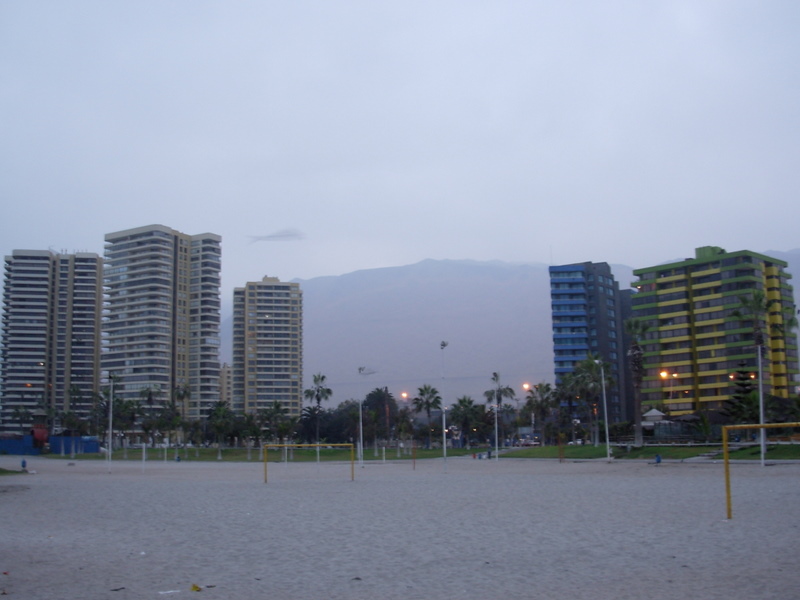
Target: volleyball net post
267	448
726	454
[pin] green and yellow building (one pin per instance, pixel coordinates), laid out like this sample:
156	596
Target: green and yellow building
699	336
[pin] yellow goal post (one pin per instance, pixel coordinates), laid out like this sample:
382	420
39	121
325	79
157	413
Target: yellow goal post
726	453
318	446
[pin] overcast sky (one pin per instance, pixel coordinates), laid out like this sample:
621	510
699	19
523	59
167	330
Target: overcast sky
390	132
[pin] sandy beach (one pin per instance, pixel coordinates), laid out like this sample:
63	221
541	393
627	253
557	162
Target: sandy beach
477	529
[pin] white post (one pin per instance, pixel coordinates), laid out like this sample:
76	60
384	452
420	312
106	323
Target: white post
360	436
605	408
762	431
110	419
444	436
496	440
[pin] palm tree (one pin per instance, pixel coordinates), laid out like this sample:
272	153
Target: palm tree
149	422
182	394
404	423
318	392
497	394
286	428
636	329
73	422
220	418
755	308
272	416
540	401
465	413
427	399
589	380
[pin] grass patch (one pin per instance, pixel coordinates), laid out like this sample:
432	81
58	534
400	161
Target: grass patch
774	452
668	452
594	452
570	452
274	455
4	472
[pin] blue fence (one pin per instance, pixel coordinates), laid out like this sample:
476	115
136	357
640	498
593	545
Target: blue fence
58	445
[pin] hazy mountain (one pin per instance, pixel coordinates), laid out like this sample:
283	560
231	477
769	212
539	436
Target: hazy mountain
495	316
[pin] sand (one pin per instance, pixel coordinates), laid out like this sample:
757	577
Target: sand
481	529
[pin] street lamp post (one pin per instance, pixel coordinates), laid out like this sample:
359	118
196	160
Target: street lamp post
527	387
496	439
664	376
605	407
110	419
360	435
444	437
762	431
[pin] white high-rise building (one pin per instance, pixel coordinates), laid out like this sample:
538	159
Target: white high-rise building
162	317
51	338
268	346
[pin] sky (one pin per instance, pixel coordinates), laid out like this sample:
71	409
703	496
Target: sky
385	133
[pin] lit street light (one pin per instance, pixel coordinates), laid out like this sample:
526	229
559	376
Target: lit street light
605	407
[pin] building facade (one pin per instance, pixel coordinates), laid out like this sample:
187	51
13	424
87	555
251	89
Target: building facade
699	335
268	346
589	311
51	338
162	317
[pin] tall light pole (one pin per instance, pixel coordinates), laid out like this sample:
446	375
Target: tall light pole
527	388
444	436
605	407
496	440
762	431
110	419
360	435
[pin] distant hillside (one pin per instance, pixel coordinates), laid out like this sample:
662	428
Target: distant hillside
495	316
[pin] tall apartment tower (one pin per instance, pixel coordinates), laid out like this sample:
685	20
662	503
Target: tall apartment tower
162	316
696	342
51	337
589	312
268	346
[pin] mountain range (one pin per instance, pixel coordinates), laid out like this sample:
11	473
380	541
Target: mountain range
385	327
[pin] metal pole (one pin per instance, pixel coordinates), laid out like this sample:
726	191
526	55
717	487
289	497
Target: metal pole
110	420
725	457
360	437
496	439
762	431
605	409
444	437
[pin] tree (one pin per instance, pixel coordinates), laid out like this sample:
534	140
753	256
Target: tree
318	392
404	423
466	414
589	382
539	403
381	402
125	414
271	417
182	394
636	329
149	421
250	429
76	427
753	309
497	394
427	399
220	418
286	428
